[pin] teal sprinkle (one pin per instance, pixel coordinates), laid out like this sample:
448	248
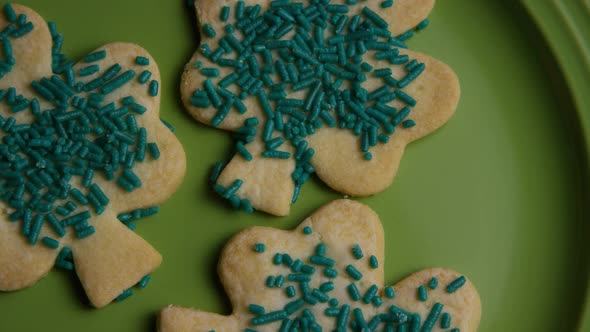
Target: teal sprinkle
308	269
96	56
422	293
167	124
276	154
330	273
411	76
233	188
373	262
256	309
243	151
131	225
270	281
154	151
277	259
374	17
415	323
456	284
370	293
55	224
377	301
154	87
296	266
279	281
422	25
323	261
209	31
353	292
127	293
445	321
77	195
142	61
269	317
225	11
357	252
118	82
144	77
210	72
387	4
259	247
240	9
327	286
50	243
290	291
9	13
343	317
405	98
89	70
307	230
408	123
332	312
455	330
246	206
333	303
360	319
405	36
64	259
36	228
433	283
144	281
432	317
320	296
293	306
100	195
125	184
85	232
389	292
321	249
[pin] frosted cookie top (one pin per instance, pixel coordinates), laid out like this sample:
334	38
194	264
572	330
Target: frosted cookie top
325	87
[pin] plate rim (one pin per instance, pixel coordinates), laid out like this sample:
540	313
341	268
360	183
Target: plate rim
561	24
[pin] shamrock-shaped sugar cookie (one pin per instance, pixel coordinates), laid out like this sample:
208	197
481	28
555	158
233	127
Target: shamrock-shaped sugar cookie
81	143
323	86
327	275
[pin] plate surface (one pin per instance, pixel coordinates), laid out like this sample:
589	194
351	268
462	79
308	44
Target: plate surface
497	194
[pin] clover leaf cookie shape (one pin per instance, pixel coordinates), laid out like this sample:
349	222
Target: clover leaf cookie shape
326	275
81	143
324	87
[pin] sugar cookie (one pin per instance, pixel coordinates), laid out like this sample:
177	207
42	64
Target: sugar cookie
324	87
325	275
81	143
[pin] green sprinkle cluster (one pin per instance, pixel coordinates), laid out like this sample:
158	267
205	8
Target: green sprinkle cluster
17	28
316	48
78	139
294	283
65	259
229	193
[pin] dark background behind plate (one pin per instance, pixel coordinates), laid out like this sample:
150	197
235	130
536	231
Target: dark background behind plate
495	194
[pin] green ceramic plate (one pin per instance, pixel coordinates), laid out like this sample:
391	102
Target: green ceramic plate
500	193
